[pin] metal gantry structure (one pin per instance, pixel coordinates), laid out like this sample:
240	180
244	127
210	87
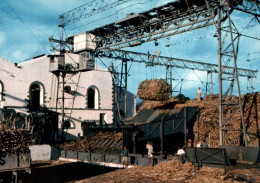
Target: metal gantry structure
151	60
174	18
228	47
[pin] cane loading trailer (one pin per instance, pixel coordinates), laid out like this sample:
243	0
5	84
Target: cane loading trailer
168	129
12	163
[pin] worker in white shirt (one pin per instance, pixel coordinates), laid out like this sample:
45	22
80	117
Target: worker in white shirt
199	144
199	94
182	155
149	147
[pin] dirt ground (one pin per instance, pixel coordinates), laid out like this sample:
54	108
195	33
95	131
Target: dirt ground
173	171
170	171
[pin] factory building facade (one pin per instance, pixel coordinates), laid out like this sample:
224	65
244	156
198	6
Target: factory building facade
88	96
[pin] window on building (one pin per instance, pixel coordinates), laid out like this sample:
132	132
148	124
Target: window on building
69	124
93	98
36	97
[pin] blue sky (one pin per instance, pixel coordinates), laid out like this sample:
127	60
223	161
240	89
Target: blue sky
25	27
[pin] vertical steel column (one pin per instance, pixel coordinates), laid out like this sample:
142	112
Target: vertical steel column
134	140
209	74
125	87
57	94
161	136
61	28
220	77
251	85
115	114
237	78
185	121
231	52
198	119
63	103
169	76
211	83
123	139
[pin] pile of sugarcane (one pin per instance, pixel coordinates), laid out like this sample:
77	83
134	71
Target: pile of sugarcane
13	138
12	141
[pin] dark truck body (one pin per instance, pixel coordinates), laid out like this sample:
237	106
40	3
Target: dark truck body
13	163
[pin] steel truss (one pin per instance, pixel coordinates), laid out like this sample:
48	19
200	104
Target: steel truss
228	47
169	62
168	20
154	60
250	7
63	78
87	10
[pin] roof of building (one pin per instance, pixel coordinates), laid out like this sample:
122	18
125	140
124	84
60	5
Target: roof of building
151	115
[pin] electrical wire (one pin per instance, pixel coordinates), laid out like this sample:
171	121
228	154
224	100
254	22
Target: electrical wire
26	26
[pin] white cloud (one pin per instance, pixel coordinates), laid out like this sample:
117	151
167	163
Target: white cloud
18	54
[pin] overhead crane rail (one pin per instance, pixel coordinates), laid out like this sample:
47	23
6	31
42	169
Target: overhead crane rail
97	6
139	28
87	10
154	60
160	22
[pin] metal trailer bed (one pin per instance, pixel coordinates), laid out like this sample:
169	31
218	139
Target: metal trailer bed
14	163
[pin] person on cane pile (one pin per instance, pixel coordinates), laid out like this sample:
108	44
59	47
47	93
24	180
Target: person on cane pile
204	144
199	94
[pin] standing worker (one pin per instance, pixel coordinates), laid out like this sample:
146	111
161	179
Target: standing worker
182	155
199	144
199	94
149	146
204	144
125	157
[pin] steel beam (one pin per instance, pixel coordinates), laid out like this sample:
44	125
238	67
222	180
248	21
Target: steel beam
87	10
149	60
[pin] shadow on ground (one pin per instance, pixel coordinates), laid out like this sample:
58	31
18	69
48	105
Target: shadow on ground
42	173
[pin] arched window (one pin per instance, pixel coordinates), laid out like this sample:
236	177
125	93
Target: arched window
93	98
1	91
69	124
36	96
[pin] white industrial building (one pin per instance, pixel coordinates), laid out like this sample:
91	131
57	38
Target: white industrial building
88	96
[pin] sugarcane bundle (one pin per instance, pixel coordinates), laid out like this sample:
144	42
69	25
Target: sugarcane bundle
156	90
12	141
